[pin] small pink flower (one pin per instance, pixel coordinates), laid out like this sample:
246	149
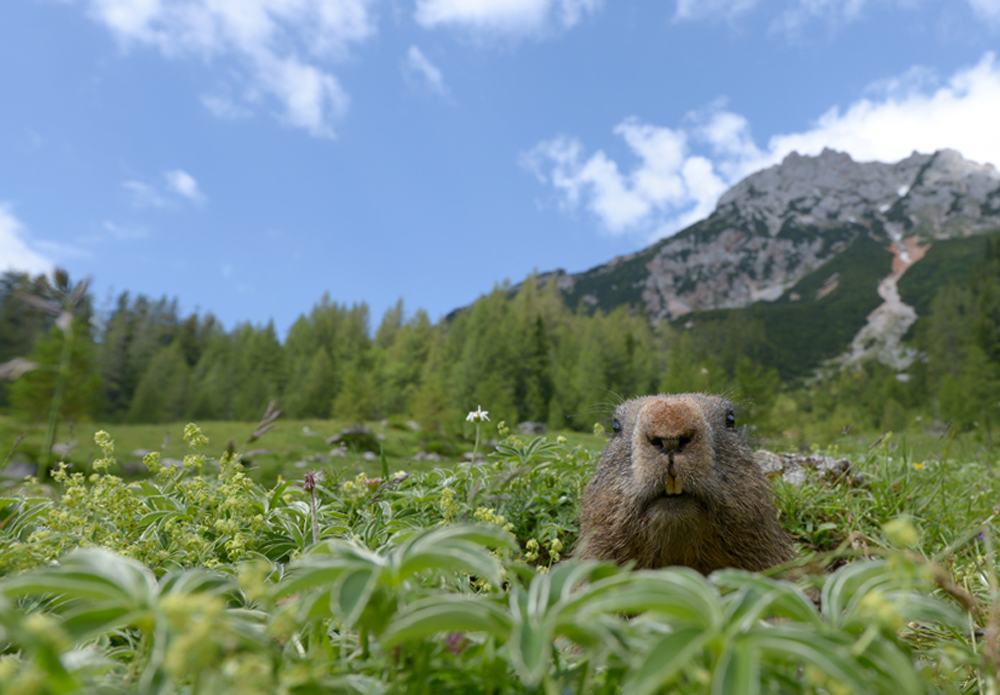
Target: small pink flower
456	643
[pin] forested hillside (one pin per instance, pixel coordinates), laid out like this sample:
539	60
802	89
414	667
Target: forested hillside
524	356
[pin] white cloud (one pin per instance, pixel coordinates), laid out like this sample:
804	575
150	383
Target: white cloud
680	173
418	66
836	12
961	114
284	46
144	195
122	232
711	9
183	184
15	254
222	106
792	16
987	9
504	17
178	184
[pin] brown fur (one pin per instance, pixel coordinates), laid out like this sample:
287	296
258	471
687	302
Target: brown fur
677	485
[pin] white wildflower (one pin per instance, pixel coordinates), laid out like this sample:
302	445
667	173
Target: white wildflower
478	415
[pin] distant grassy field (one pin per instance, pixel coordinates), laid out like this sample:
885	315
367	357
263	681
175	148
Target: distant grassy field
289	449
295	446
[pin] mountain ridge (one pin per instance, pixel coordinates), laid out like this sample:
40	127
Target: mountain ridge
785	223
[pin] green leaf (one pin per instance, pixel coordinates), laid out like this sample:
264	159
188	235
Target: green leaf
530	645
784	599
738	672
475	561
664	662
844	589
91	620
90	573
677	592
353	591
479	534
797	645
448	613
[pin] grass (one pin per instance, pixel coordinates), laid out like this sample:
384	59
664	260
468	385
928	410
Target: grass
226	591
287	450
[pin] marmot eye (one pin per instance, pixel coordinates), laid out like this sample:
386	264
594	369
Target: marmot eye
616	426
730	419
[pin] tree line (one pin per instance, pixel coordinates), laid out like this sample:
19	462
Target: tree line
520	353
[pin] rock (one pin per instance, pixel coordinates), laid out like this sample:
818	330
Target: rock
357	437
19	470
792	467
370	456
63	448
532	428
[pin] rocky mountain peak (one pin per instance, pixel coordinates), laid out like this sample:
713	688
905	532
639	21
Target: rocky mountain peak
833	188
784	222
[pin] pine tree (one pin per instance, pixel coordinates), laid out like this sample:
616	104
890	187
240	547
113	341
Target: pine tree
162	393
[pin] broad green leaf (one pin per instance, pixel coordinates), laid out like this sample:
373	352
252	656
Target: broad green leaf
566	577
480	534
353	591
896	669
677	592
473	560
90	619
846	587
306	576
737	672
664	662
921	608
785	600
800	646
195	581
448	613
90	573
530	646
538	598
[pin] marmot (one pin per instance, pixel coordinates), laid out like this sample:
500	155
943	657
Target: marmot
677	485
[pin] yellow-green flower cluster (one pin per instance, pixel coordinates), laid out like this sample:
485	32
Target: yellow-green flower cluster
205	520
356	488
490	516
531	550
555	547
449	507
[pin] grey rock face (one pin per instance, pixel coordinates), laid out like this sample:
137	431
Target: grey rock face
777	225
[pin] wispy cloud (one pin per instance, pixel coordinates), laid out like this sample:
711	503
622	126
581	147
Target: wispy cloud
184	185
987	9
284	47
504	17
223	106
15	251
793	16
124	232
679	173
711	9
144	195
177	185
418	69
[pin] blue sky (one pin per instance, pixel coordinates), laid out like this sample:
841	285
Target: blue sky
246	156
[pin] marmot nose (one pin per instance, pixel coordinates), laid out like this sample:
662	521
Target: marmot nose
670	424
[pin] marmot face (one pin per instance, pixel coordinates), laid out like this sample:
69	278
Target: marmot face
677	485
